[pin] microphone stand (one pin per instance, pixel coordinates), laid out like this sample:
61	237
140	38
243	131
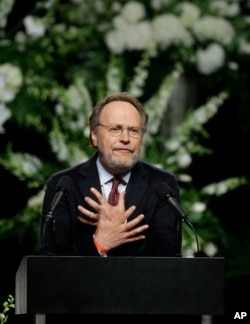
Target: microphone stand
53	235
179	236
51	220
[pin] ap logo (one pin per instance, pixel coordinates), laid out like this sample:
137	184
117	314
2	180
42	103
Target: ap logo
240	315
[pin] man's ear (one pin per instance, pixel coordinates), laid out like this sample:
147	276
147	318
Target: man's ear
93	138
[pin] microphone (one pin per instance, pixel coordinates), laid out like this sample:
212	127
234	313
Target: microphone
167	195
62	188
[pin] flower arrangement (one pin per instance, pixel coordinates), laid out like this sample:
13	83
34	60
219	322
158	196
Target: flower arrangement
201	33
60	59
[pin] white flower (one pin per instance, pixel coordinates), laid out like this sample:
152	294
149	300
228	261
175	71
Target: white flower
36	200
34	26
168	30
138	37
10	81
5	114
158	4
210	59
59	109
12	74
210	249
115	41
214	28
198	207
58	146
224	8
184	159
5	8
120	23
234	66
185	177
31	164
244	46
133	11
20	38
172	144
189	13
74	98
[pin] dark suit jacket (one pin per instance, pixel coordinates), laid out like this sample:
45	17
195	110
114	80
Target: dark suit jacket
71	237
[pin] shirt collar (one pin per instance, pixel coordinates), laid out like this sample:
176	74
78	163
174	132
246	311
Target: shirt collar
105	176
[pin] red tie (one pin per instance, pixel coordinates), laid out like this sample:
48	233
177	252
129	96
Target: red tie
114	193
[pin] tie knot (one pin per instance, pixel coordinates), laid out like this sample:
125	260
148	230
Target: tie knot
116	181
114	193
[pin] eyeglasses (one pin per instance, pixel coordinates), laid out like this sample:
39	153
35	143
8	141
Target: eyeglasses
116	130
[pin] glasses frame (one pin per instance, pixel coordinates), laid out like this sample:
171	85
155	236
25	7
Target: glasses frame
121	128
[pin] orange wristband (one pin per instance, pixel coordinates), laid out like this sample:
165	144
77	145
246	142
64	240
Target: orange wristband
100	248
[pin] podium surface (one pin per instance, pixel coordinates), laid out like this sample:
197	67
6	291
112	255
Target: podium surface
119	285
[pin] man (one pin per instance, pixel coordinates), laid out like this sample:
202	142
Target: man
140	223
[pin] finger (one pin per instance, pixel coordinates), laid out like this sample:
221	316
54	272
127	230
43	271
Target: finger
135	221
98	195
135	238
121	200
129	212
87	221
86	212
135	231
91	202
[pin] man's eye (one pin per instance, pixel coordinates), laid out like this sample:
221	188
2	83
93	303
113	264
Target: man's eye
134	130
115	128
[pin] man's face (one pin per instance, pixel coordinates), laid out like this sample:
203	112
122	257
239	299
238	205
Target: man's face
118	153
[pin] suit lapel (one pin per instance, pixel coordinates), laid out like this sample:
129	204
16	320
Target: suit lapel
89	177
138	184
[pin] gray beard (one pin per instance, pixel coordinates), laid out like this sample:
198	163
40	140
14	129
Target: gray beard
120	167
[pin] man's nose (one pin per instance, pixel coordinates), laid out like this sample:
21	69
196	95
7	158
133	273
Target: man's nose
125	134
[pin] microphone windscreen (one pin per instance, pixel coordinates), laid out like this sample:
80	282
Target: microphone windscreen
163	190
64	183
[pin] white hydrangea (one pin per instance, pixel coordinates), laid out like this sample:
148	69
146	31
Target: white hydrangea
34	26
11	80
214	28
120	23
224	8
210	59
138	36
133	11
159	4
189	13
115	41
168	30
6	7
244	46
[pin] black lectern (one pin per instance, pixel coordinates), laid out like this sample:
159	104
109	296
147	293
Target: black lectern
119	285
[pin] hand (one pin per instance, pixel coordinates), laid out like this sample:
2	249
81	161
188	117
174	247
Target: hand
91	218
112	228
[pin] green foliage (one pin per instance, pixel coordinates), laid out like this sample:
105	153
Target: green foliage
7	306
